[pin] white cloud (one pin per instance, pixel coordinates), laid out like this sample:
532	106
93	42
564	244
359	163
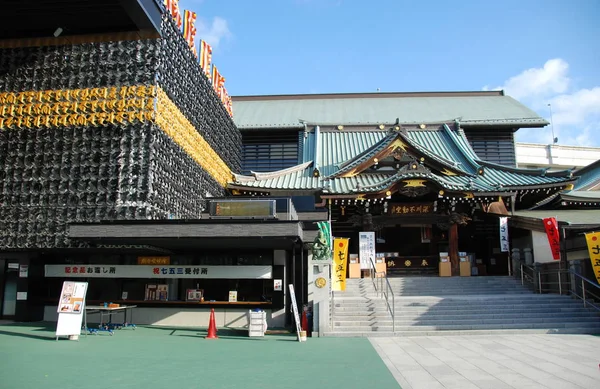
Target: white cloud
574	113
213	32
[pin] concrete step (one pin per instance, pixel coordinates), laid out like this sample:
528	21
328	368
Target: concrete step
592	327
337	322
522	331
382	315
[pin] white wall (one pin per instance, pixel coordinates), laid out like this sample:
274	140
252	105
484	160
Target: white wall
555	156
541	247
319	297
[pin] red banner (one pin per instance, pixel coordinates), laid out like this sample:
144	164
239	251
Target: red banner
551	226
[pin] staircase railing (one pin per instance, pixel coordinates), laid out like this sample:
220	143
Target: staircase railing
561	281
385	289
589	292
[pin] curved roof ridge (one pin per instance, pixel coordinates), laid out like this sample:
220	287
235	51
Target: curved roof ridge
361	157
530	172
423	150
278	173
461	147
243	178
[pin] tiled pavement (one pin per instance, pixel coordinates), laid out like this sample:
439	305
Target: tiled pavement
493	361
157	357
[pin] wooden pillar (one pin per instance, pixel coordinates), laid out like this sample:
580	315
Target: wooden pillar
453	248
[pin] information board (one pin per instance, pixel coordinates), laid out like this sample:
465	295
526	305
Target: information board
295	309
71	305
366	249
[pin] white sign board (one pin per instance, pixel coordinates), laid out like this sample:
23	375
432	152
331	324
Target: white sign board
366	249
277	285
23	271
504	247
71	305
163	271
295	309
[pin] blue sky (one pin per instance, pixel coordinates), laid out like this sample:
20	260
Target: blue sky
540	52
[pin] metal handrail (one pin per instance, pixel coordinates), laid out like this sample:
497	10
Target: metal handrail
384	292
585	292
331	310
392	309
373	272
534	279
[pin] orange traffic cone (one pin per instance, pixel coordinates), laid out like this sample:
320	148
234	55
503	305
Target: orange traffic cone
212	326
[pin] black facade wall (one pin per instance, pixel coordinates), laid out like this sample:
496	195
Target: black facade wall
178	186
87	65
52	177
180	76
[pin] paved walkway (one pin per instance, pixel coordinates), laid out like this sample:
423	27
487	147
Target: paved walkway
493	362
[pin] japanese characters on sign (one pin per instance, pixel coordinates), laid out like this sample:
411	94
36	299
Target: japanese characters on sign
340	261
593	243
136	271
551	227
154	260
366	249
504	246
409	263
407	209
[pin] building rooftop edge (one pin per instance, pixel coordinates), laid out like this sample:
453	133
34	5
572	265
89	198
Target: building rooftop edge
309	96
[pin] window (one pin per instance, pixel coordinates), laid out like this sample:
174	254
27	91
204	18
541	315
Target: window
494	146
267	151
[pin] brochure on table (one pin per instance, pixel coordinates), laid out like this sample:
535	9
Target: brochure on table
70	308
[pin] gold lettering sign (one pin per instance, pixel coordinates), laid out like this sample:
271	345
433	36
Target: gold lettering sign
154	260
408	209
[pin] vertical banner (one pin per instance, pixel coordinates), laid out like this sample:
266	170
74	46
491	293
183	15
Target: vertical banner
189	29
504	247
366	249
205	57
551	226
593	243
340	260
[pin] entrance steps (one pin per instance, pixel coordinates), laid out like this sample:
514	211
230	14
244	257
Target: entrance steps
426	306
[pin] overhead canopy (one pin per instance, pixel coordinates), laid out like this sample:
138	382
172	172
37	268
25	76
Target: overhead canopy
570	219
22	19
189	234
472	109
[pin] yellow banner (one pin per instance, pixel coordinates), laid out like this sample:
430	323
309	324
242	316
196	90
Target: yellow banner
593	243
340	260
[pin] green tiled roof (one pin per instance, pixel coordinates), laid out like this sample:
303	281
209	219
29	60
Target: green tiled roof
470	108
446	146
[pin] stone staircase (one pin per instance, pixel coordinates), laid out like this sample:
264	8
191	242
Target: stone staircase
427	306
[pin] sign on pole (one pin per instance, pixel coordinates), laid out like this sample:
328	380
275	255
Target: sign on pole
295	309
71	305
504	246
366	249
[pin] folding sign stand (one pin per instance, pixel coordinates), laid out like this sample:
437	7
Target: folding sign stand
295	309
71	306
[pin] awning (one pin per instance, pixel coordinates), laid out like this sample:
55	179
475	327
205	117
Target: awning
568	219
192	234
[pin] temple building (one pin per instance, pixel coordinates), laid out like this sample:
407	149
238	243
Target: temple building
429	173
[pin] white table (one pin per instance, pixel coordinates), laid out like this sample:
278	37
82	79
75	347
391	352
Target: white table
107	312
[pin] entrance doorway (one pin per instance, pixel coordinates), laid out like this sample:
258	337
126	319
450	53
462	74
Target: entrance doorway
8	288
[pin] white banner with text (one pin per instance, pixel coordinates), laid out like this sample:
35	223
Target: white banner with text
168	271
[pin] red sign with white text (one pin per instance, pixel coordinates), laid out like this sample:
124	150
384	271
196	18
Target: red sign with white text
551	226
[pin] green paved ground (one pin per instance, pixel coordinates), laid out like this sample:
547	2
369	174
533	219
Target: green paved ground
151	358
